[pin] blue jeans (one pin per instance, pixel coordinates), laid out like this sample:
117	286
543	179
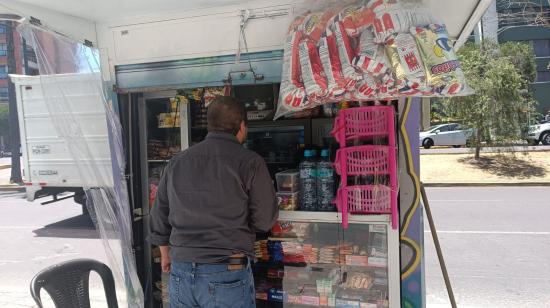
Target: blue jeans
211	286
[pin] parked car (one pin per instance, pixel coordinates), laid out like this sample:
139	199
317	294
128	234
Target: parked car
539	133
451	134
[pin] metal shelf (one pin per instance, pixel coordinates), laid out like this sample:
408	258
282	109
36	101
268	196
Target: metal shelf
158	160
331	217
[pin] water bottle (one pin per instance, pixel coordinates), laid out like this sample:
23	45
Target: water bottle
325	183
308	183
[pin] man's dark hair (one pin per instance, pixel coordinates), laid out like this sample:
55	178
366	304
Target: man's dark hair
225	115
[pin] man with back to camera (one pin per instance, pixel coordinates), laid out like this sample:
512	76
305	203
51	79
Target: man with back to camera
210	201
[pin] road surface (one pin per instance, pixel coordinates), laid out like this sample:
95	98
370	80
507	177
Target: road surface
496	243
35	236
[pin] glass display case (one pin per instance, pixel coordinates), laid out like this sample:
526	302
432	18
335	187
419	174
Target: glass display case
309	260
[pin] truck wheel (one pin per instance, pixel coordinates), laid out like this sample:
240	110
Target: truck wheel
545	138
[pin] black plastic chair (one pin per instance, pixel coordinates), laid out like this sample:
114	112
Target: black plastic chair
68	284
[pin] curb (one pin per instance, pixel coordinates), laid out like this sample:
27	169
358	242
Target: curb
486	184
2	167
12	188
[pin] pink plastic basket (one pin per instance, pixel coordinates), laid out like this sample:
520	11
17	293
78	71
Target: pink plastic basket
367	199
366	160
364	123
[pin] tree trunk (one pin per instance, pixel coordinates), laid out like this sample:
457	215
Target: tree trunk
478	142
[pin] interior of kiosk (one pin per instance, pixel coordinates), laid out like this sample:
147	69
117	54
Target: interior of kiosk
300	261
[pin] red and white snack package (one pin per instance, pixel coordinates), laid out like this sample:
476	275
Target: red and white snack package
346	53
313	75
314	25
330	59
407	64
366	88
372	57
292	96
355	19
394	17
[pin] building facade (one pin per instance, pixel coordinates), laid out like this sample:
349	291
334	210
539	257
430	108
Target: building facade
25	59
528	21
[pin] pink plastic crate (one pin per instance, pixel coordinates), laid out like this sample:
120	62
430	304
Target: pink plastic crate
367	199
366	160
365	123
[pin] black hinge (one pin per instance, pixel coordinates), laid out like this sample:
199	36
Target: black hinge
35	21
88	43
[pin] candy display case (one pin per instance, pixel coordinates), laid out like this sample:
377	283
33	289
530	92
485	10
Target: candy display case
309	260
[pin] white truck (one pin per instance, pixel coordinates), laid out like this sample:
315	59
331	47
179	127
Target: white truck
49	167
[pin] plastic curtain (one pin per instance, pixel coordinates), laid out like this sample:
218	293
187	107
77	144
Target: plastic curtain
70	77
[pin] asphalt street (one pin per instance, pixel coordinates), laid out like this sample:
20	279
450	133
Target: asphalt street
496	243
35	236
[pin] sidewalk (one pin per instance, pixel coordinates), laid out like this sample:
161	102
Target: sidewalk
5	185
526	168
518	148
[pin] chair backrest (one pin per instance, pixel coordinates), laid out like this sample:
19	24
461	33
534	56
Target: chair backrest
68	284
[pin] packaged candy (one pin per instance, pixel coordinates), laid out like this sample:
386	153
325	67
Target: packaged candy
366	88
407	65
443	70
393	17
314	24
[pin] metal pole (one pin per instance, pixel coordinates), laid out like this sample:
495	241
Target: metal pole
15	141
438	246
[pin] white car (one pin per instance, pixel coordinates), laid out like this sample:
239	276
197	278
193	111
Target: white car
451	134
539	133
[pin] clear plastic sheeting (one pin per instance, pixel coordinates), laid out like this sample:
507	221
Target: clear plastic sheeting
69	75
364	51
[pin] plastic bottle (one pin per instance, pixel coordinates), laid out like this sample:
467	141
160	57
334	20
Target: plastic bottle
325	183
308	183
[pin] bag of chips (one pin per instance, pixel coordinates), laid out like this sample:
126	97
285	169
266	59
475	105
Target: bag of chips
443	70
313	75
328	51
407	64
394	17
372	57
292	94
355	19
346	53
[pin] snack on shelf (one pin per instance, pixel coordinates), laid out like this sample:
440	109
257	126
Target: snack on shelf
211	93
346	54
288	180
288	201
362	281
444	72
407	64
372	58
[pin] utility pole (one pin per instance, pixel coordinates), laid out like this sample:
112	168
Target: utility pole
15	141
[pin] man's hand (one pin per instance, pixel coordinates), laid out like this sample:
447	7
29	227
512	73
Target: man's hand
165	262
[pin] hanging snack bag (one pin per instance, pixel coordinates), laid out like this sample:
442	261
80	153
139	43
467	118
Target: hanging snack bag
292	95
355	19
443	69
346	53
372	58
330	59
407	64
313	75
393	17
366	89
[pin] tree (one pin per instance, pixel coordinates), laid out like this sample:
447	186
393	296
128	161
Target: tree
500	76
4	123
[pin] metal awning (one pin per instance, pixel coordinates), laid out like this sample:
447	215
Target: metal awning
78	19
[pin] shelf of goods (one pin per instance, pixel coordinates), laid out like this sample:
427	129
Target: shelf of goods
308	260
